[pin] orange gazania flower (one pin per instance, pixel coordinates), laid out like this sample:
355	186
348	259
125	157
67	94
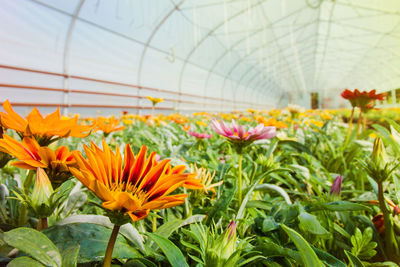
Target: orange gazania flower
133	185
31	155
108	125
271	122
43	128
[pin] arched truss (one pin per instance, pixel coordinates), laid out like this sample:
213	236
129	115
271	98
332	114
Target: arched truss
228	54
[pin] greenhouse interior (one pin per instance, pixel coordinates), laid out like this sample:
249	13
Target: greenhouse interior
201	133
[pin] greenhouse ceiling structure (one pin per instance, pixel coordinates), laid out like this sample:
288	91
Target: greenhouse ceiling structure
199	55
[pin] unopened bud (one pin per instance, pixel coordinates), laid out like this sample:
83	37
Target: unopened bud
379	155
336	186
42	189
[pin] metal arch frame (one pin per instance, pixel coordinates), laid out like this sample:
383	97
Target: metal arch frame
380	70
368	8
238	62
147	44
261	91
67	44
275	39
259	81
317	72
277	45
211	70
369	50
240	12
88	22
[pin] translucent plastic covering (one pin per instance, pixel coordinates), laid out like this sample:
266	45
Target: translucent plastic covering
212	55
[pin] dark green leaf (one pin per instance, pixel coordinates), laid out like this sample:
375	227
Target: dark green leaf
93	240
34	243
307	254
25	261
172	252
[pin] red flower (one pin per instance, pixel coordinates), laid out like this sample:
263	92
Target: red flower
364	99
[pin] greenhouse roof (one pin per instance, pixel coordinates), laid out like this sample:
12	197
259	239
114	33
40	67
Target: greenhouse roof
199	54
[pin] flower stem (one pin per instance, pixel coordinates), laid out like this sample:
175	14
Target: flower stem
359	121
350	127
240	179
42	224
110	246
390	241
154	223
23	208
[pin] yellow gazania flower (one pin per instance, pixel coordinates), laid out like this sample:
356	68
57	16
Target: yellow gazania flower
316	123
271	122
133	185
373	135
177	118
205	177
127	121
245	119
155	100
252	111
43	128
108	125
201	123
31	155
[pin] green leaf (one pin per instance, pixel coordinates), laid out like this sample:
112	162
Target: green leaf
171	226
34	243
259	204
93	240
24	261
354	261
269	224
328	259
222	204
70	257
338	206
172	252
127	230
309	223
307	254
275	188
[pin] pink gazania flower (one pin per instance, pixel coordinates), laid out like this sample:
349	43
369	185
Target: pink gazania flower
200	135
239	134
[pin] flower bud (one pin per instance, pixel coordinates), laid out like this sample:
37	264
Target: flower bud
379	155
336	186
222	247
42	189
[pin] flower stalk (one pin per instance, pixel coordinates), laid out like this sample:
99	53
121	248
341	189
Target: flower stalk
110	246
240	179
390	240
42	224
350	128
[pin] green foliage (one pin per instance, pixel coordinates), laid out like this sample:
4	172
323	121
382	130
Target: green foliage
286	218
363	246
42	250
